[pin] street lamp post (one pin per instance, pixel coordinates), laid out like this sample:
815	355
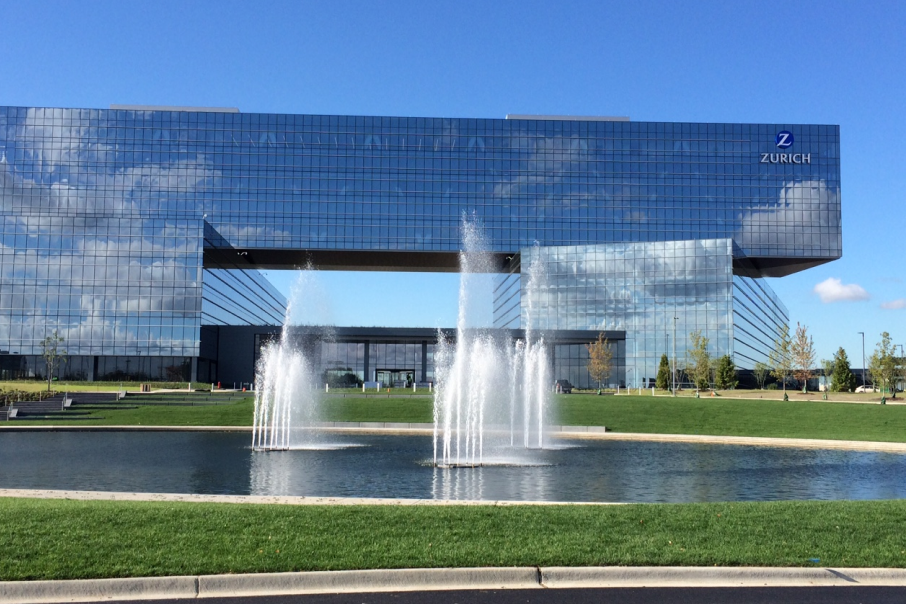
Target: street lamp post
674	355
900	364
862	333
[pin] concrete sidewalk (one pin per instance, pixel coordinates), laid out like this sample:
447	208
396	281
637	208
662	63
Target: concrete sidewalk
434	579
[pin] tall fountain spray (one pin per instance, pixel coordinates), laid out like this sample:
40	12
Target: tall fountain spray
492	399
287	386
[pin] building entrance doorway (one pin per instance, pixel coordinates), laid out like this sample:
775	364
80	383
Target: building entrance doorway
396	378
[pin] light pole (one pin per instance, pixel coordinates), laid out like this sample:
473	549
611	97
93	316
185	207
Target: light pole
900	364
863	358
674	355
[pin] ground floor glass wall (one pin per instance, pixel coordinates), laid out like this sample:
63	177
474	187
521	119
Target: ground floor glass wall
101	368
758	315
349	364
400	364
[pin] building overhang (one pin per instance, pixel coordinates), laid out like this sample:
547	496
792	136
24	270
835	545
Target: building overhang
774	267
343	260
419	334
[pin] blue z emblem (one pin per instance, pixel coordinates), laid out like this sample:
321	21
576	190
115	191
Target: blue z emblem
784	139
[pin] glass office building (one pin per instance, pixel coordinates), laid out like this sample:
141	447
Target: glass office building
130	230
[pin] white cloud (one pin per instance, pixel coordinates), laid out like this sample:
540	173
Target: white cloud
900	303
833	290
804	222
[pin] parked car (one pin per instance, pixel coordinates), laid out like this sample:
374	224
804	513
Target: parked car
867	389
563	386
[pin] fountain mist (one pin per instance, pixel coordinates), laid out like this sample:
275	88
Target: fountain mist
287	385
492	400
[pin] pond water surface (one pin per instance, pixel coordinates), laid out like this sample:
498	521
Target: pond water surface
399	466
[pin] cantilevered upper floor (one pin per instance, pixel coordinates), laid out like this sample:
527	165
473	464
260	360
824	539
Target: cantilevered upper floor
389	193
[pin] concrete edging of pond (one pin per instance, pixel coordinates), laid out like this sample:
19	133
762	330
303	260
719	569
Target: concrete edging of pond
431	579
577	432
267	499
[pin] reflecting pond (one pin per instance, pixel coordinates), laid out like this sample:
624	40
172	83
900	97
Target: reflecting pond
400	466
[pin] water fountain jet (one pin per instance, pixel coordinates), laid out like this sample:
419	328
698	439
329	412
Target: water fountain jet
492	400
288	397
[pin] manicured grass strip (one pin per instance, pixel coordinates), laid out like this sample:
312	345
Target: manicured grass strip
238	413
408	410
646	414
405	409
794	419
62	539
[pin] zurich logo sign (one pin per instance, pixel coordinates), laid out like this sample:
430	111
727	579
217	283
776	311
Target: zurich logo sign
784	139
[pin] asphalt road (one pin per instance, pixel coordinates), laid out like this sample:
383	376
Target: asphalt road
690	595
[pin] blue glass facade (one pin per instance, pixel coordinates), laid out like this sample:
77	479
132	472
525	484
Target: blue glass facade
638	288
129	229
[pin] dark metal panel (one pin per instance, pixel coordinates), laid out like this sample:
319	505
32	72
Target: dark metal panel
341	260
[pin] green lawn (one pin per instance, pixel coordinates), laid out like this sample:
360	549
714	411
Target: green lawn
732	417
647	414
66	539
404	409
409	410
238	413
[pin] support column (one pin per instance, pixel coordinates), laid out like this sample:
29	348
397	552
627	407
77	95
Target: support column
552	355
424	361
367	369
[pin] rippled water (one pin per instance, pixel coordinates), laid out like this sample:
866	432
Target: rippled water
399	466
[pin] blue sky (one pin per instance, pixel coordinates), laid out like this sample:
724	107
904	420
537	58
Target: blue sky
788	62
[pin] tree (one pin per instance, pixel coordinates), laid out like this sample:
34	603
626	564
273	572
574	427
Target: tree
843	380
682	374
698	361
827	369
761	372
53	354
726	373
780	357
803	353
600	359
884	365
712	372
663	374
